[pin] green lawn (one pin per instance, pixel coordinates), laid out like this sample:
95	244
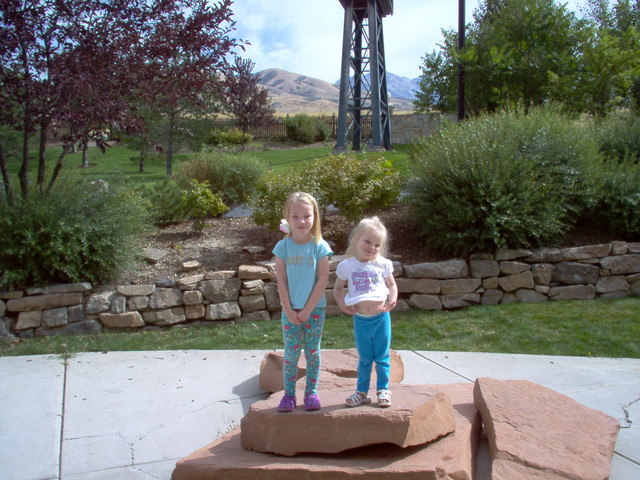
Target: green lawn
281	160
119	160
609	328
598	328
115	161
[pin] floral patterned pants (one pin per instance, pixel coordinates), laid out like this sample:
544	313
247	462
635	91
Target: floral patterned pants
296	337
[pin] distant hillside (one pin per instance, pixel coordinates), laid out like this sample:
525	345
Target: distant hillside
399	87
402	87
295	93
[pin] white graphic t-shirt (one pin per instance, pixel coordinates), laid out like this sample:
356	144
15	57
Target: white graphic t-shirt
365	280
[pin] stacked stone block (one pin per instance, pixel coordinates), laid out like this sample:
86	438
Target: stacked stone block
407	128
250	294
431	431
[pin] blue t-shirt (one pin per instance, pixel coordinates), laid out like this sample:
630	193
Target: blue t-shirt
302	268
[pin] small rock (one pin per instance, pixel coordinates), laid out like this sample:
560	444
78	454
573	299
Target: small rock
191	265
154	255
253	250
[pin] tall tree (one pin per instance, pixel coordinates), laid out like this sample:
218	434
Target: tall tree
80	64
187	62
527	52
245	99
512	50
607	72
438	86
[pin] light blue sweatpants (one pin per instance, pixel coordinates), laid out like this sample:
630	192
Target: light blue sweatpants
373	340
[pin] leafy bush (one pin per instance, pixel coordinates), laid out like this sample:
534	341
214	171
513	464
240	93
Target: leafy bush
353	183
164	203
619	136
503	180
274	189
618	198
79	232
306	129
228	137
233	177
200	202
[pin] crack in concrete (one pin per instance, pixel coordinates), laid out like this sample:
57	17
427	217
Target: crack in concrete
443	367
627	414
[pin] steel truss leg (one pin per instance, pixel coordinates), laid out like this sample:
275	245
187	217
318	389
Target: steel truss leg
363	113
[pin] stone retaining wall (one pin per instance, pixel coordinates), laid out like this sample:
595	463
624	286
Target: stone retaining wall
250	294
410	127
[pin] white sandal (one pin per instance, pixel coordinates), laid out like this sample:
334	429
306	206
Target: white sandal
384	398
358	398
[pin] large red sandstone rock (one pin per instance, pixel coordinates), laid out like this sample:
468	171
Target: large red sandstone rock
450	458
341	363
537	433
419	415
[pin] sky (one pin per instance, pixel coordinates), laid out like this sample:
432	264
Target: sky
305	37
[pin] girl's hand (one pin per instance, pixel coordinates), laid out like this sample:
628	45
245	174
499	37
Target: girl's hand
388	306
292	316
348	310
303	316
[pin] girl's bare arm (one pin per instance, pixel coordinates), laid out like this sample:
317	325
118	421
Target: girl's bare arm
283	290
338	294
392	298
318	289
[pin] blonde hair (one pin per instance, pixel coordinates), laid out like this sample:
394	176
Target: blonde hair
316	229
367	225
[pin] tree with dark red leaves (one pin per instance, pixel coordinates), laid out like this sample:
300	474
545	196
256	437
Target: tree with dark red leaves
245	99
84	66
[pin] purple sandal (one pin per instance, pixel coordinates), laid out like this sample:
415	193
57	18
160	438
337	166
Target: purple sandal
311	402
287	404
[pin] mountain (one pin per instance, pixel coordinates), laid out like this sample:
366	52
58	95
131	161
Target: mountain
402	87
398	87
295	93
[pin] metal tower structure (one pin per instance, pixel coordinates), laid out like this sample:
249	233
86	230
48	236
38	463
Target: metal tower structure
363	113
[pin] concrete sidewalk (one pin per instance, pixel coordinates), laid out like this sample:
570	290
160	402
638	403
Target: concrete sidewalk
132	415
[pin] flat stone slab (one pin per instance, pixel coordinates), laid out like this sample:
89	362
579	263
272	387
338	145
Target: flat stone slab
450	458
341	363
154	255
537	433
418	415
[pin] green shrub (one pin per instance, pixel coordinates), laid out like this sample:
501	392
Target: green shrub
618	207
306	129
200	202
619	136
503	180
164	203
273	190
228	137
233	177
79	232
353	183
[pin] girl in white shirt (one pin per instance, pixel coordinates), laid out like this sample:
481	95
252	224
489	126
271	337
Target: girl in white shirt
372	293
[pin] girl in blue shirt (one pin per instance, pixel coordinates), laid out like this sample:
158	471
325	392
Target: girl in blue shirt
302	271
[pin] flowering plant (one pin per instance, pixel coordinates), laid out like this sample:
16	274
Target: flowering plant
284	226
